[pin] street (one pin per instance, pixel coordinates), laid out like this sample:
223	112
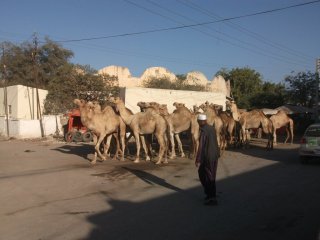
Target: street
49	191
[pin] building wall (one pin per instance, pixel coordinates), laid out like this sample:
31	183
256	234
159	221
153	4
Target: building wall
158	72
132	96
218	84
24	128
22	101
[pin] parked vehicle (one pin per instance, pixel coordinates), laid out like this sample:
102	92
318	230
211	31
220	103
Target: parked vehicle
310	143
75	131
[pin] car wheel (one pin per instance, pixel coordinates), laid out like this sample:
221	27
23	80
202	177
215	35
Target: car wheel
87	137
69	137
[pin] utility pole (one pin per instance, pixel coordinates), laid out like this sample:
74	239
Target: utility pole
317	89
5	92
36	79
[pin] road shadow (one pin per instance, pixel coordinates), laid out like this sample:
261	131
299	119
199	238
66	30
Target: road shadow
80	149
261	204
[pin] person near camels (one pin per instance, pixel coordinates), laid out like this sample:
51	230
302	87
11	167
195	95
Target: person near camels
207	159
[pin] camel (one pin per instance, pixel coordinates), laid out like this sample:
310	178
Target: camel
279	120
235	113
101	123
144	123
179	121
256	119
215	120
229	125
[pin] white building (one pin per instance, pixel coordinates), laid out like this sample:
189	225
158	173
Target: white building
132	96
22	102
23	111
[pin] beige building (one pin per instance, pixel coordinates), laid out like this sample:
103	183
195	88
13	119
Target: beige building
22	102
196	78
132	96
157	72
123	74
218	84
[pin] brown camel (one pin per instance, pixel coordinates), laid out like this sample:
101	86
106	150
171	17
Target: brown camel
253	120
215	120
279	120
228	124
144	123
101	123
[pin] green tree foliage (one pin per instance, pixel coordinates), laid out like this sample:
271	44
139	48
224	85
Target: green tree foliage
179	84
301	88
32	67
271	96
245	83
78	82
250	91
48	67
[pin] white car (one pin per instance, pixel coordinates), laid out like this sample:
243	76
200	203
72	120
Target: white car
310	143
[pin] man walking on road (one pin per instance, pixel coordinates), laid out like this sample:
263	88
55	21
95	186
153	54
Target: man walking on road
207	159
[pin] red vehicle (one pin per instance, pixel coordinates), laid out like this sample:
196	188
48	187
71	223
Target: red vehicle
75	131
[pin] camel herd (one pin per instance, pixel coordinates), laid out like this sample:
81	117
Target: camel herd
115	120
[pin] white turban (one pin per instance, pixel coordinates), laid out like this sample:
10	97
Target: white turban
202	117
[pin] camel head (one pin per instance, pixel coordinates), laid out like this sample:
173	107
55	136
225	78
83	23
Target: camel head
79	102
204	107
94	106
178	105
196	108
115	100
163	109
142	105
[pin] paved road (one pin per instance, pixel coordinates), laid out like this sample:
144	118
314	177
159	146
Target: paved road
49	191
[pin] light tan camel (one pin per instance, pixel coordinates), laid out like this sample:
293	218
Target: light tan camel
179	121
253	120
215	120
101	123
281	119
144	123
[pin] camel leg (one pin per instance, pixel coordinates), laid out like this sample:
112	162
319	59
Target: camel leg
287	136
173	151
97	147
106	146
123	145
143	141
162	147
137	137
118	146
95	139
275	137
179	144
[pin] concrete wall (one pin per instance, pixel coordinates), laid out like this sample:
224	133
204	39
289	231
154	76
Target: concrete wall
23	128
132	96
22	101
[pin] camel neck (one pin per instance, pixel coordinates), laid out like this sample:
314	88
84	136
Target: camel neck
124	113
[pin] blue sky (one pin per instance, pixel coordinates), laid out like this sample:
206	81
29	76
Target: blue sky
273	44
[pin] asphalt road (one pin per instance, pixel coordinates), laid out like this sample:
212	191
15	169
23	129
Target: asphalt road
49	191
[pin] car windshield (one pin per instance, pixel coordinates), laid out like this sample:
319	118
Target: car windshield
313	132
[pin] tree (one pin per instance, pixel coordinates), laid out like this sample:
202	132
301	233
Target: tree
78	82
301	88
245	83
271	96
25	61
